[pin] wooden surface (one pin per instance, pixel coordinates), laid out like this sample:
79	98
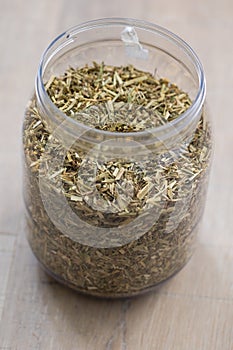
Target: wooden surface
194	310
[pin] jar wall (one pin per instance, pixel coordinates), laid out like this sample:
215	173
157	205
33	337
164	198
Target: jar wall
80	240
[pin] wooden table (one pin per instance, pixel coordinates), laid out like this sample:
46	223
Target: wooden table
193	311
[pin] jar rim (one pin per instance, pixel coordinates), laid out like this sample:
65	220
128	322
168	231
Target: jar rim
64	38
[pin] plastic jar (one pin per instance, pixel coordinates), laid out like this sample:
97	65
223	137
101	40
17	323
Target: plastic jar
128	245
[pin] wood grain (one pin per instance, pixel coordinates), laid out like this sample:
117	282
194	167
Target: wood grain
6	253
192	311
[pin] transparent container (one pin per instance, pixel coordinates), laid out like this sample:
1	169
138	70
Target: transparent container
146	233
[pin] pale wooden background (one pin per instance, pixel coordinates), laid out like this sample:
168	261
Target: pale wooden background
194	311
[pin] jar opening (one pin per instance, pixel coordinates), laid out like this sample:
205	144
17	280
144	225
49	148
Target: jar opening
95	38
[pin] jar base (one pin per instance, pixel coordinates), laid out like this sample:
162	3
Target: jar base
99	295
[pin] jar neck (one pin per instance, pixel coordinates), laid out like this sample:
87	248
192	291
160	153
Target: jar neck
65	127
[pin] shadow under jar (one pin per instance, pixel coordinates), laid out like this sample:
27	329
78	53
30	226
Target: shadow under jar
115	180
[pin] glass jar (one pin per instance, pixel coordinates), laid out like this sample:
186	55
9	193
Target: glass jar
157	177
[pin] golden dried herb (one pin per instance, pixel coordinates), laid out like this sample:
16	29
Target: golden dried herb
166	189
108	94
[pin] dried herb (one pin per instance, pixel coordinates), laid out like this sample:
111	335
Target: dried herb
117	98
127	100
